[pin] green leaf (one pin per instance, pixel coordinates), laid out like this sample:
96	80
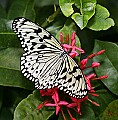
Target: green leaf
10	74
2	12
109	64
66	7
44	3
69	28
7	37
104	98
5	114
27	109
87	113
100	21
10	58
22	8
111	112
87	10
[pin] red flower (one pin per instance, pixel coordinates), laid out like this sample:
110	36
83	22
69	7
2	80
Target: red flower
76	103
57	103
48	92
58	100
72	47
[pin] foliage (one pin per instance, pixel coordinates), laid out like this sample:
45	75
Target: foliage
88	18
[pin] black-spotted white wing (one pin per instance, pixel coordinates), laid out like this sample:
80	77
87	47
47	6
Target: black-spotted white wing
45	62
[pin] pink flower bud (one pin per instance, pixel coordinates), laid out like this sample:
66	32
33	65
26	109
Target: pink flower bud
81	50
91	56
66	46
95	64
67	38
93	94
61	37
92	91
91	76
73	35
73	42
96	104
103	77
40	106
100	52
83	63
73	54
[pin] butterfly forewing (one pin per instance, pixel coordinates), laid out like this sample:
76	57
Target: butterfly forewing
34	38
45	62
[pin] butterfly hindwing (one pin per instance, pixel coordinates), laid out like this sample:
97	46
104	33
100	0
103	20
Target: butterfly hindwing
41	69
45	62
71	79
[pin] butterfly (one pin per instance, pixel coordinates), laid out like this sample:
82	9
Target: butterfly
45	62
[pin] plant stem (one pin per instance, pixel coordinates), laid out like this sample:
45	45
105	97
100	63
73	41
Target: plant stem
51	18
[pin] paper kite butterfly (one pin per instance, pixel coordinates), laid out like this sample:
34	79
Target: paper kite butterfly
45	62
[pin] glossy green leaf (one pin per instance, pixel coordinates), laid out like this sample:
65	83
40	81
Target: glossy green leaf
111	112
7	37
101	20
87	10
22	8
109	64
69	28
66	7
104	98
10	74
87	113
10	58
27	109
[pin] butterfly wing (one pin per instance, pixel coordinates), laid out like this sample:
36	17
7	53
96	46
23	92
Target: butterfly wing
45	62
71	79
42	51
34	38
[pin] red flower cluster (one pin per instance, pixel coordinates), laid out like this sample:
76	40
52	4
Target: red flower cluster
57	100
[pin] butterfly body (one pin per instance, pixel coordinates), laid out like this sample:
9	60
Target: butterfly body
45	62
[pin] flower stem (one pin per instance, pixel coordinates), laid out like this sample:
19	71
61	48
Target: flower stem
96	104
72	118
63	114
